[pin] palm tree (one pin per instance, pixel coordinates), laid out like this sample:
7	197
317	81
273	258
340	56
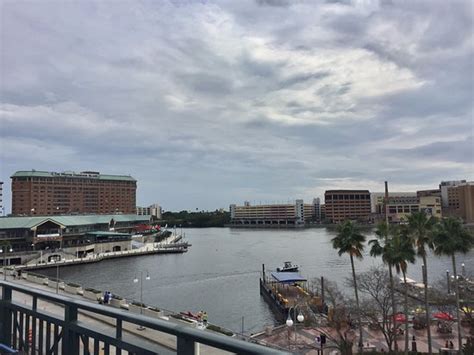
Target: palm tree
350	241
399	252
451	238
421	228
379	248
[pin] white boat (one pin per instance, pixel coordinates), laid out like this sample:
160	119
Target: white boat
288	267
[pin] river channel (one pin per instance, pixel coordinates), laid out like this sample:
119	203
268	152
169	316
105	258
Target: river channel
220	272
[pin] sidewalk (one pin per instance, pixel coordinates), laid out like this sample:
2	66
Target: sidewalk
160	342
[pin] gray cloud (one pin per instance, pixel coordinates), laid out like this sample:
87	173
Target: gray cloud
210	103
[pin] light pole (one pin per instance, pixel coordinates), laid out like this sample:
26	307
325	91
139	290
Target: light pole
3	251
463	270
290	323
135	280
447	278
57	276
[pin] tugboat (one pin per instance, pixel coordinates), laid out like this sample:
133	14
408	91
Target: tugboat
288	267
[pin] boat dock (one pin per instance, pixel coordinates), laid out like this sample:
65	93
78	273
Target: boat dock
287	291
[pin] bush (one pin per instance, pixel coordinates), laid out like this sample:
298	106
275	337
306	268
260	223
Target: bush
154	309
138	304
73	284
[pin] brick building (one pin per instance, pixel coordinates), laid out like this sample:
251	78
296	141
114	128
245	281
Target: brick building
341	205
460	202
49	193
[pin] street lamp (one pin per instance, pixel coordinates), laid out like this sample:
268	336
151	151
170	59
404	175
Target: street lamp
135	280
447	278
4	252
290	323
463	272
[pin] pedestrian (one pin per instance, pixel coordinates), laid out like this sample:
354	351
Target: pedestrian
204	318
451	345
446	345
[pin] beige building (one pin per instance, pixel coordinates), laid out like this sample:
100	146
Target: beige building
400	208
272	214
152	210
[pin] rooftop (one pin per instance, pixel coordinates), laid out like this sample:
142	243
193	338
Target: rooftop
68	220
71	174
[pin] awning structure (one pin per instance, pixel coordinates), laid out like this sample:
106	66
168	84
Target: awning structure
287	277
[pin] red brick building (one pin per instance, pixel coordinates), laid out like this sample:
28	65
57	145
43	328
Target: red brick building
49	193
341	205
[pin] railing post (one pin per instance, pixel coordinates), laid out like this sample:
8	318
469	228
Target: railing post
185	346
70	344
6	316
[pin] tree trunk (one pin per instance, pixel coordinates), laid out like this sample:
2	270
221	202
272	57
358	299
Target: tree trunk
406	313
361	341
458	315
394	310
427	306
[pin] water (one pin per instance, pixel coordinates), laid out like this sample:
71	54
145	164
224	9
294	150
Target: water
220	272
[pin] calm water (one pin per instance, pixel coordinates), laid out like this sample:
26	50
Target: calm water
220	272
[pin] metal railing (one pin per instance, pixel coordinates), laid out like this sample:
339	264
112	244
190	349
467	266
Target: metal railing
27	327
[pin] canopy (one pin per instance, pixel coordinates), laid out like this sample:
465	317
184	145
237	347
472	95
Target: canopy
287	277
443	316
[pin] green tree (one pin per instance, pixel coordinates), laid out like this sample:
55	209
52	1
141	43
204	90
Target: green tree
421	228
379	248
350	241
451	238
400	252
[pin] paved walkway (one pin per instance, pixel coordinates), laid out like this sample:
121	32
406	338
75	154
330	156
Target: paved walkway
304	341
160	342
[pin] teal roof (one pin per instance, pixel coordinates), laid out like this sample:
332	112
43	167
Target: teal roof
35	173
68	220
98	233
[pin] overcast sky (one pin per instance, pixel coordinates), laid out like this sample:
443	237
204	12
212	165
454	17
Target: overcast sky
208	103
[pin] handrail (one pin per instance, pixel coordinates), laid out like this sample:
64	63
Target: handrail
186	336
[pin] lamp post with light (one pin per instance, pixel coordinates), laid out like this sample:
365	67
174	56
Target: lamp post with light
3	250
135	280
290	323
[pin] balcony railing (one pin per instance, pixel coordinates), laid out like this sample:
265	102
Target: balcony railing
27	325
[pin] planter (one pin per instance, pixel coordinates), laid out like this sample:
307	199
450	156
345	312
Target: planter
136	308
117	302
152	312
91	294
53	284
72	288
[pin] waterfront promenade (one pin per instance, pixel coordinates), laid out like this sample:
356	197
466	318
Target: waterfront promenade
169	245
160	342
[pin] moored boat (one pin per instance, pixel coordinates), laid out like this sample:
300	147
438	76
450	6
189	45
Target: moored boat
288	267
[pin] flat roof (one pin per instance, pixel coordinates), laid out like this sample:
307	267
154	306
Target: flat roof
83	175
346	191
69	220
287	277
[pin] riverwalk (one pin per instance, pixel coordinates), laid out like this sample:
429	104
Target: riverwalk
170	245
160	342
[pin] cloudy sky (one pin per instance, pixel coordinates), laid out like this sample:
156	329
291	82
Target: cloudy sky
208	103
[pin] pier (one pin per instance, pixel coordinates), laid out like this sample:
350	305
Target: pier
287	294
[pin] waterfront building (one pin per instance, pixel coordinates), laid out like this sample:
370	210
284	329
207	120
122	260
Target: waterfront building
377	200
68	231
41	193
152	210
399	209
341	205
460	201
289	214
402	204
